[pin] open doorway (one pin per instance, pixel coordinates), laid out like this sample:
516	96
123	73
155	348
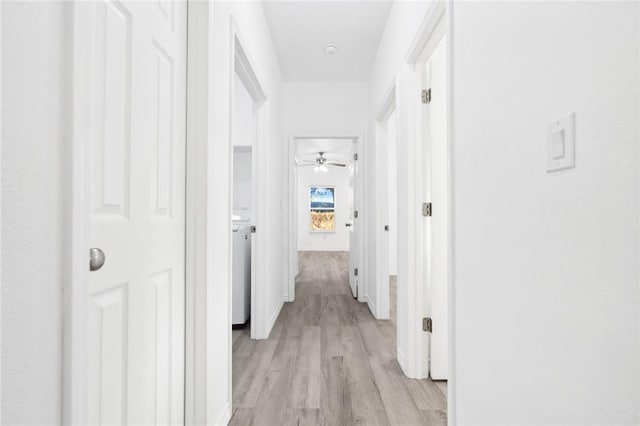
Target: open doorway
392	215
243	137
247	140
324	210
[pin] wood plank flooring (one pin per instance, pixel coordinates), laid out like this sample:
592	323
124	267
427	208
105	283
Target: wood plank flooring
328	361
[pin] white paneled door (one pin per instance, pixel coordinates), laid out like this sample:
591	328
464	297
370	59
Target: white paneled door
136	92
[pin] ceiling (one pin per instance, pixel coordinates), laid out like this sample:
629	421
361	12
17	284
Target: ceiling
301	28
339	149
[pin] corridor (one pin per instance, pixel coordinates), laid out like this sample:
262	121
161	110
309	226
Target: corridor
328	361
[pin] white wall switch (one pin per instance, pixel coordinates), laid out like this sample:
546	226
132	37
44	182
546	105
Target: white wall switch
561	144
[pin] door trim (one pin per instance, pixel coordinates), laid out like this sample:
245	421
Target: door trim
381	282
438	22
75	293
199	130
244	66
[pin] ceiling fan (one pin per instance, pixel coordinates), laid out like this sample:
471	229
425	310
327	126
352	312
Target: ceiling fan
320	164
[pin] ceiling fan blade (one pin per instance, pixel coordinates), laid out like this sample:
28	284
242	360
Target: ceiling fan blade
305	165
337	164
309	161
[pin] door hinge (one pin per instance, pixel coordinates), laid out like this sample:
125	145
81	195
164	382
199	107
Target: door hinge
386	227
427	325
426	209
355	272
426	96
355	156
253	229
355	213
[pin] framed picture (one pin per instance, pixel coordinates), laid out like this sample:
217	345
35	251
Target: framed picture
322	208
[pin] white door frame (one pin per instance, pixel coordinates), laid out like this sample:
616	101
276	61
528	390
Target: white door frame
242	64
406	89
432	30
437	23
292	217
199	51
387	107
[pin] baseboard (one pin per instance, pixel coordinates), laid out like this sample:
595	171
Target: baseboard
225	417
274	317
402	361
372	308
337	250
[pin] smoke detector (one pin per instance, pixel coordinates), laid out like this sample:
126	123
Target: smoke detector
330	49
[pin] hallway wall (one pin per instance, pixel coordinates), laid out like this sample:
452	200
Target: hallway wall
550	268
323	241
36	73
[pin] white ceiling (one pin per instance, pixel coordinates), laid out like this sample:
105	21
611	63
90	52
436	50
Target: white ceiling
301	28
338	149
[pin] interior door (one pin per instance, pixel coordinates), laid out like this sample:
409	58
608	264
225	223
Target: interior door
137	95
354	270
436	238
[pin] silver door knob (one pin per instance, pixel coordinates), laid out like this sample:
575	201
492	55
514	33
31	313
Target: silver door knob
96	259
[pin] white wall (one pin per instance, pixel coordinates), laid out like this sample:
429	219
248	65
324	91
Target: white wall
392	192
243	119
323	241
546	277
389	67
36	67
242	183
256	36
319	109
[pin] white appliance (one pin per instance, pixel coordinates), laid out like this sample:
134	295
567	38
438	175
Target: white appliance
241	274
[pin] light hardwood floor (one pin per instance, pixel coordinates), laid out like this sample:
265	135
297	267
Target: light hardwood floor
328	361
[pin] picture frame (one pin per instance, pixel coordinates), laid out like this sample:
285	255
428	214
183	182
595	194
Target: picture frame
322	208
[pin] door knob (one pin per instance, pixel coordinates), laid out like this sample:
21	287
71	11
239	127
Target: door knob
96	259
347	225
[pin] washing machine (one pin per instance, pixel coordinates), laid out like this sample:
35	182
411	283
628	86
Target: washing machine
241	273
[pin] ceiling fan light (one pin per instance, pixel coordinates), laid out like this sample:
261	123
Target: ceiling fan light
316	169
324	169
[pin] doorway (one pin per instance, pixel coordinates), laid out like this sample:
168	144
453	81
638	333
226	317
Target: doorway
383	302
391	227
247	140
243	136
324	204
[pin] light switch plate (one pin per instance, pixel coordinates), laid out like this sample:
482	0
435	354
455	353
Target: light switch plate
561	144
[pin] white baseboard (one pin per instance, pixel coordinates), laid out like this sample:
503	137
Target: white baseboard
274	317
225	417
335	249
372	308
402	361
